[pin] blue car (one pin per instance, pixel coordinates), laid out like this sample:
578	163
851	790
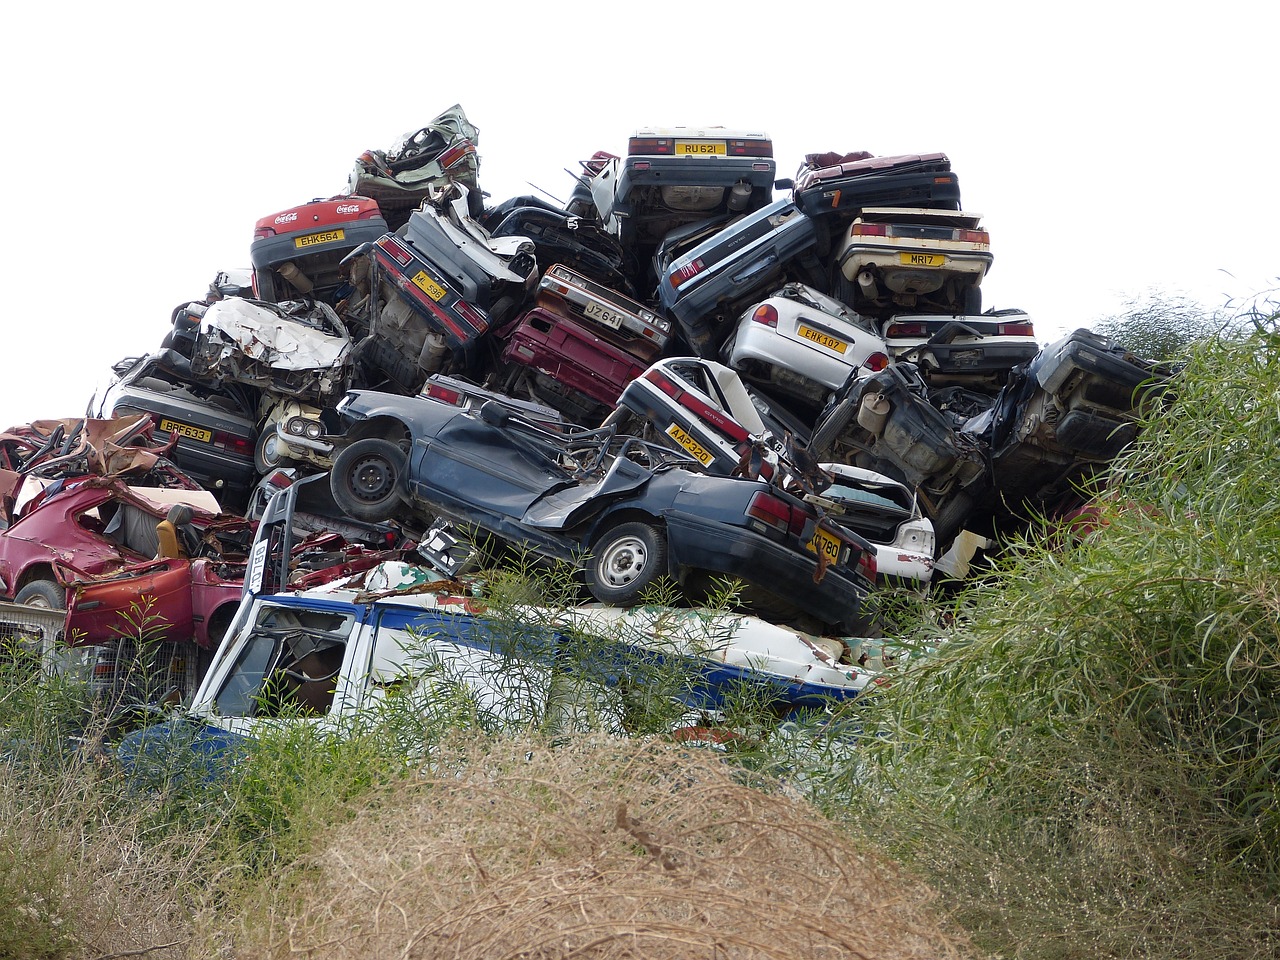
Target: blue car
626	511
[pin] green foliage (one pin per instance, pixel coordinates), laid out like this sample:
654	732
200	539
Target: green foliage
1097	741
1160	326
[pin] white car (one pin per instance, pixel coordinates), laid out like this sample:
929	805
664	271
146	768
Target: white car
888	514
896	258
803	343
962	350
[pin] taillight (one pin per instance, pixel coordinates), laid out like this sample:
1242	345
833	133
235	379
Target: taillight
279	479
456	154
767	314
876	362
444	394
1016	330
473	316
867	564
651	146
395	249
869	230
750	148
262	233
896	331
687	272
233	444
770	513
973	236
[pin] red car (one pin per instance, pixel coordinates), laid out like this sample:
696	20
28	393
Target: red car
90	544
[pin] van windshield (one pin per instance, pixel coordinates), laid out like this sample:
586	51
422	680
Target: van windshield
288	665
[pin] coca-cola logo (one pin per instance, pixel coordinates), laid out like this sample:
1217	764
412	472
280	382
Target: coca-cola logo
345	208
287	217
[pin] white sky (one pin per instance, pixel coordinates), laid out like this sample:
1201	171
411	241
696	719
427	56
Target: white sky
1114	148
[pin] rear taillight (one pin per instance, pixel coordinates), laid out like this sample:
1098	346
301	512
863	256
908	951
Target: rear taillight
262	233
768	513
749	148
876	362
867	564
687	272
869	230
395	249
456	154
766	314
279	479
897	331
650	146
233	444
473	316
973	236
443	394
1016	330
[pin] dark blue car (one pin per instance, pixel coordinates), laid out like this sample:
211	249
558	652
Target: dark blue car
629	512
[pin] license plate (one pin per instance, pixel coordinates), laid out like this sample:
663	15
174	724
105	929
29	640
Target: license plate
313	239
700	148
822	339
428	286
610	318
186	430
922	259
829	545
694	448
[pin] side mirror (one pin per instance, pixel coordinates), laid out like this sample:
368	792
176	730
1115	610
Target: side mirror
786	183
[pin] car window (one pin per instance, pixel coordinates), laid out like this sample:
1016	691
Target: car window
288	666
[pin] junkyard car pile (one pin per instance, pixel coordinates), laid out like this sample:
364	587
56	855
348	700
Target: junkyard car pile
690	369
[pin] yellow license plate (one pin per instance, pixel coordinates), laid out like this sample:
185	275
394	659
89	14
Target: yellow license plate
922	259
829	545
700	148
185	430
695	449
314	239
428	286
822	339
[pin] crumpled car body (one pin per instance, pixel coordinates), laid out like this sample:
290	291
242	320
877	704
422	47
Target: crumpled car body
298	348
564	496
401	177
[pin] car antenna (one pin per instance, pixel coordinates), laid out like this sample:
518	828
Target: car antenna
558	201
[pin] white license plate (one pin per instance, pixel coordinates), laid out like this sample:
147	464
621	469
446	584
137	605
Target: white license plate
610	318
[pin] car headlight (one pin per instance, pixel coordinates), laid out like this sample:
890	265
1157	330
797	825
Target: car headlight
314	430
295	426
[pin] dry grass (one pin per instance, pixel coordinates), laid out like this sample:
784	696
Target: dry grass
600	848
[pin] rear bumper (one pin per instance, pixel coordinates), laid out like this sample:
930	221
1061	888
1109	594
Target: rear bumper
737	552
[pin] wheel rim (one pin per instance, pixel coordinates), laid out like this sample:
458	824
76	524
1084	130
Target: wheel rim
271	451
624	562
40	602
372	479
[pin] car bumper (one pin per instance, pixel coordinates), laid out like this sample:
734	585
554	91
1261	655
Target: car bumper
755	341
737	552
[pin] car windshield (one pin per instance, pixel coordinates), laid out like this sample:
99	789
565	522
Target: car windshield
288	665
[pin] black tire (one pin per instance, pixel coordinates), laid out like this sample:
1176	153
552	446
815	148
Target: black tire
266	452
43	593
832	425
971	301
625	561
368	479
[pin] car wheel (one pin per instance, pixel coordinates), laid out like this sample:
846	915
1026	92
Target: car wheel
43	593
971	301
367	479
625	561
268	453
832	425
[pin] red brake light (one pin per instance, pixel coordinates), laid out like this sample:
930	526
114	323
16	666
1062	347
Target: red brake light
474	317
973	236
233	444
876	362
395	249
750	148
897	330
867	564
769	510
1017	330
443	394
767	314
869	230
664	384
687	272
279	479
650	145
456	154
